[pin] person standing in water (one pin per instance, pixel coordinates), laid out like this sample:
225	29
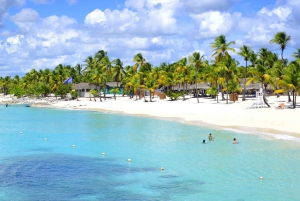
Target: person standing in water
210	137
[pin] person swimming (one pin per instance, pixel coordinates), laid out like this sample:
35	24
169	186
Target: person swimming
203	141
235	141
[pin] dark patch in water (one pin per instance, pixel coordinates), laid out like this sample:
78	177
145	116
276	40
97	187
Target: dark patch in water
71	177
66	177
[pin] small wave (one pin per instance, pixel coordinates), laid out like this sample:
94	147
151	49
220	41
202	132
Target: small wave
265	134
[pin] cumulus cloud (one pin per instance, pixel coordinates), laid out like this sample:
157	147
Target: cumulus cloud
211	24
261	28
6	5
153	22
26	15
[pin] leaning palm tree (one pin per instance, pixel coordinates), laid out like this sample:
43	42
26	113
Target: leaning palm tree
261	73
282	39
246	52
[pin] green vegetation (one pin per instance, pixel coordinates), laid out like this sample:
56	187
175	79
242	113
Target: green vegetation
222	73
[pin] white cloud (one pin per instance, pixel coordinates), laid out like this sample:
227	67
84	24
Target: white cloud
5	5
95	17
153	22
211	24
282	13
26	15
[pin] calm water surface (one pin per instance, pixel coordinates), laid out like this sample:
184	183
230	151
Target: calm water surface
32	168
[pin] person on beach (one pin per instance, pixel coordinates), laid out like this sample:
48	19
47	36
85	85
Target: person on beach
210	137
235	141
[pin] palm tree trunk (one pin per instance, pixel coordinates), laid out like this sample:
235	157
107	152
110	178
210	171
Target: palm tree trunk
144	91
104	90
226	89
217	95
100	93
289	97
244	97
183	91
197	92
222	93
294	99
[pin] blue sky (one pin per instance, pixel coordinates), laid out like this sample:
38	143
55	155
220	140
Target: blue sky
44	33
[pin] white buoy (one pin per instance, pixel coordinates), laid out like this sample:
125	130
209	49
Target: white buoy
103	154
162	168
73	146
45	139
261	178
21	132
129	160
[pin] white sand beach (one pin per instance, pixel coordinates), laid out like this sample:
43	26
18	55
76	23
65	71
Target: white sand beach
208	111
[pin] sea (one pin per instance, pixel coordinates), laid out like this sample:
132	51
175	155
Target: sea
55	154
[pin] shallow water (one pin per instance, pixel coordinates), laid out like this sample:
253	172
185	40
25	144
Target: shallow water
35	168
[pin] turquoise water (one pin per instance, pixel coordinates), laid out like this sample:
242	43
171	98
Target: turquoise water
32	168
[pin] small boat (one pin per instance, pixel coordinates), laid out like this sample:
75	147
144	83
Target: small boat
27	105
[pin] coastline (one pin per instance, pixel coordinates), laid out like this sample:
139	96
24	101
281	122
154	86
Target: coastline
207	113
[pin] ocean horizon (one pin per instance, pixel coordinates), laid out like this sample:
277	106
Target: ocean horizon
55	154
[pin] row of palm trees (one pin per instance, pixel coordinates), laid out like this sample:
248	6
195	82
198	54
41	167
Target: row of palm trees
223	73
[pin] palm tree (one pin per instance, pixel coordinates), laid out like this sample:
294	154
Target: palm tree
234	87
106	71
135	84
229	69
261	73
118	73
150	84
183	71
221	47
291	80
98	79
196	59
115	90
139	61
282	39
212	74
246	52
296	54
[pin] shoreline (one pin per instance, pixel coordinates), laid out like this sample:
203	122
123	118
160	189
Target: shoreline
207	113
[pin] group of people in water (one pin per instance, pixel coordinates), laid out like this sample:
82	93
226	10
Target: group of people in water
211	138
